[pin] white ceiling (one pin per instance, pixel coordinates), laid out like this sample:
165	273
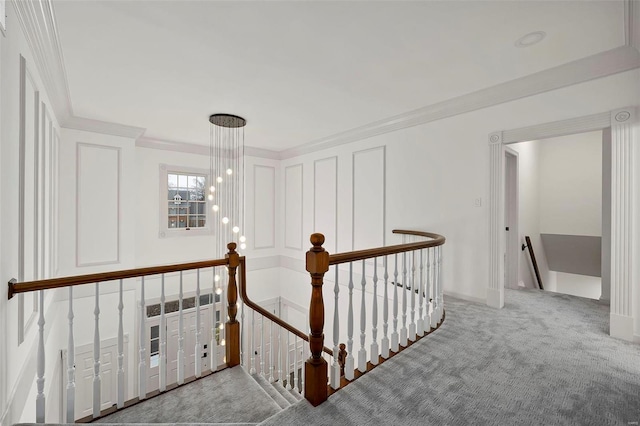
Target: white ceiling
301	71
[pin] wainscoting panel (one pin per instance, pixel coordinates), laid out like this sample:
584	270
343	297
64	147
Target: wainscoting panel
264	204
98	205
293	203
325	202
369	180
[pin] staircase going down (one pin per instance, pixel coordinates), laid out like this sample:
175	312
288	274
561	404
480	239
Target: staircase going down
227	397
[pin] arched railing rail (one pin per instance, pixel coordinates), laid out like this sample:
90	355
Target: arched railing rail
414	271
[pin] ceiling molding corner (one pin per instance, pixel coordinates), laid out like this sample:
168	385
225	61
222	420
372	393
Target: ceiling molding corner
104	127
614	61
253	151
38	23
165	145
632	23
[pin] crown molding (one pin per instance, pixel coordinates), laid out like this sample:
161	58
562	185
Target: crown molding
192	148
38	23
632	23
253	151
104	127
600	65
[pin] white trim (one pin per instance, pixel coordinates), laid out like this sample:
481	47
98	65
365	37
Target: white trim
253	151
315	186
286	169
119	183
558	128
255	213
104	127
603	64
634	23
37	19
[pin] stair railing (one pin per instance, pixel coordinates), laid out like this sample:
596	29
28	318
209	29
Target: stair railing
205	271
273	348
413	269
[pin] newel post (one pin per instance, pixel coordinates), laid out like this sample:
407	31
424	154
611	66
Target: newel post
232	326
315	385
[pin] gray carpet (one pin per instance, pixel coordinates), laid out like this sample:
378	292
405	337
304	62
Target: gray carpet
545	359
229	396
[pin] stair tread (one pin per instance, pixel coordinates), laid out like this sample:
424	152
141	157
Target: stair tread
285	393
277	397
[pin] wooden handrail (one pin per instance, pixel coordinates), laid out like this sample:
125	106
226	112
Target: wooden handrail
264	312
317	264
352	256
27	286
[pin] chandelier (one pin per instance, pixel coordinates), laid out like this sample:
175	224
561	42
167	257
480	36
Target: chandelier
226	171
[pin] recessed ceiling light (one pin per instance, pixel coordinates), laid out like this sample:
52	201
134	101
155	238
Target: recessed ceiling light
530	39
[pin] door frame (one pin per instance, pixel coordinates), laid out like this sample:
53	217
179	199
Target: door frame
624	205
512	213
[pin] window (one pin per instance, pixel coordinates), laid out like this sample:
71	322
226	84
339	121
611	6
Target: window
154	350
183	201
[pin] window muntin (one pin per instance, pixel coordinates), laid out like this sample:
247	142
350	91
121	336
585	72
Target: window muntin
186	200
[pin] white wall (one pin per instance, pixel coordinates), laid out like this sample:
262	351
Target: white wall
435	171
17	365
570	179
97	201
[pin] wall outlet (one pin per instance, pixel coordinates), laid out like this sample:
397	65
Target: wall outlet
477	202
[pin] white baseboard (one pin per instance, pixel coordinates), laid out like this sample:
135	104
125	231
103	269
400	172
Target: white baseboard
463	297
621	327
495	298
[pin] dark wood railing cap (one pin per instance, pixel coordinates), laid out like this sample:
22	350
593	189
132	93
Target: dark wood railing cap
317	240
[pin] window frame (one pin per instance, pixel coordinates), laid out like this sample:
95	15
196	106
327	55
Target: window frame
164	230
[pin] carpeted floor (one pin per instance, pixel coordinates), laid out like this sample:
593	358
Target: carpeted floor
229	396
545	359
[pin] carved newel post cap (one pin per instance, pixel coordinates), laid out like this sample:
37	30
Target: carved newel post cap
317	240
232	247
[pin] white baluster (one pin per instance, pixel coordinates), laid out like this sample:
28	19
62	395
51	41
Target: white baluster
280	356
394	335
384	343
214	341
334	380
142	368
440	291
374	315
362	353
163	338
271	362
421	297
412	324
348	367
252	369
242	333
432	293
96	355
262	352
288	372
198	349
120	376
180	336
295	364
71	365
40	398
302	355
403	330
